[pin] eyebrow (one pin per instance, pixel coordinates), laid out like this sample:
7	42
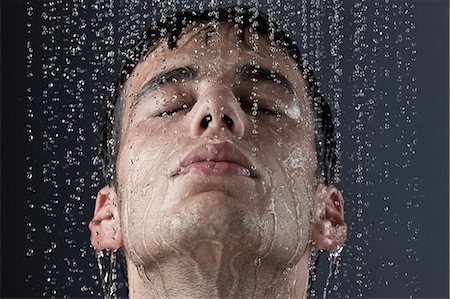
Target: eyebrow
188	73
179	74
261	74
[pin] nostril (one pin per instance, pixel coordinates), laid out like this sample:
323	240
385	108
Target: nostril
205	121
228	121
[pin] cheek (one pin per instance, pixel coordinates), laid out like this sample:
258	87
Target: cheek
297	162
291	145
142	172
146	145
300	162
137	158
292	161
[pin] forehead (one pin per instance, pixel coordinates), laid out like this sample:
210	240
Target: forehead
218	47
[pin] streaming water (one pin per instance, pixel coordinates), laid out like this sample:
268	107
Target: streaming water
107	266
362	53
333	270
312	282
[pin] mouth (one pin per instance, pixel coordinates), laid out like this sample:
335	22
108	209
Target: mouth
216	159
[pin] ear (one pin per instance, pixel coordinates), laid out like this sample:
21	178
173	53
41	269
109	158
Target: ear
105	225
329	229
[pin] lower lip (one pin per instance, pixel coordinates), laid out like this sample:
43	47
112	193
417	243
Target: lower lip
210	168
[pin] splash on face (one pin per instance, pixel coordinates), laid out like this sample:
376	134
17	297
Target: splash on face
217	145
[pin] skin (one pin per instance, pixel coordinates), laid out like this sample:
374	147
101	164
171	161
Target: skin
206	233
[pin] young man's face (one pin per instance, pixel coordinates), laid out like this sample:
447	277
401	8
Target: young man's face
196	166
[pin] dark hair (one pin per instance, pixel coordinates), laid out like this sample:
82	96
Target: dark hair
171	28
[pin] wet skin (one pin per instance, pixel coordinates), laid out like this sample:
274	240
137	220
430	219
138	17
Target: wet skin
216	195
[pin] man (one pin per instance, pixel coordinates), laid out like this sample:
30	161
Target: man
218	156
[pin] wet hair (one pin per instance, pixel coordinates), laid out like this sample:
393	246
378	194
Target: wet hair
247	18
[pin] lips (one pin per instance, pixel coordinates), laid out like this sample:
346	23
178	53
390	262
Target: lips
220	159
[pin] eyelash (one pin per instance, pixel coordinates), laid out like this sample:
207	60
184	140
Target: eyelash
178	77
264	110
172	112
258	109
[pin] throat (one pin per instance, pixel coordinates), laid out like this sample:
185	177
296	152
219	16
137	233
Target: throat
208	253
219	268
212	270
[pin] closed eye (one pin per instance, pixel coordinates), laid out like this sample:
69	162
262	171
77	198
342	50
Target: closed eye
173	111
254	109
268	111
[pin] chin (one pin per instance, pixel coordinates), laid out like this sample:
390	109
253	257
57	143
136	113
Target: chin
211	216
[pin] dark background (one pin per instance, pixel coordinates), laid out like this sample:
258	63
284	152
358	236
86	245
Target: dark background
395	180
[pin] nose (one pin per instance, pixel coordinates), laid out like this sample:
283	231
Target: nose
228	121
217	110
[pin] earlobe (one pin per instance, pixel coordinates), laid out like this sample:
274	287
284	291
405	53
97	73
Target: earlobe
329	229
105	225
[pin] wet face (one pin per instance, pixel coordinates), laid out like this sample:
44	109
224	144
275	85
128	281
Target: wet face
217	146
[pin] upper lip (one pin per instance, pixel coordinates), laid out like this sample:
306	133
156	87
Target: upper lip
216	152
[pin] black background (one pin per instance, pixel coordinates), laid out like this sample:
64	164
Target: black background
403	251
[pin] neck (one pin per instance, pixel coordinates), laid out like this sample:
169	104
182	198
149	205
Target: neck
211	272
